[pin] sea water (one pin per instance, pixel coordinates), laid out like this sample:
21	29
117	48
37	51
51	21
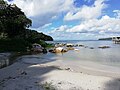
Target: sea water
108	56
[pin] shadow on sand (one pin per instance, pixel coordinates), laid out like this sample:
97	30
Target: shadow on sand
113	85
25	76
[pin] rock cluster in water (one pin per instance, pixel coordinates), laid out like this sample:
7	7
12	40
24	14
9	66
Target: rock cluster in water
103	47
61	48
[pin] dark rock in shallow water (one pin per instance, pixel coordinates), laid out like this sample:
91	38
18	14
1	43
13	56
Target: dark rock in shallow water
81	45
69	45
91	47
103	47
76	45
44	51
86	46
51	50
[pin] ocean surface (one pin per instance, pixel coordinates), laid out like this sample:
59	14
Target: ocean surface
109	56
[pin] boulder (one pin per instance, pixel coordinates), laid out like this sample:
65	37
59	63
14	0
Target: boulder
91	47
38	48
44	51
76	45
58	50
4	59
70	48
81	45
76	49
69	45
103	47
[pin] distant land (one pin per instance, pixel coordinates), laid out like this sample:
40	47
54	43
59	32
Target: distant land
105	38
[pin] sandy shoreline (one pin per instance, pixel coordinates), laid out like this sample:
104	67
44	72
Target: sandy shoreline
32	74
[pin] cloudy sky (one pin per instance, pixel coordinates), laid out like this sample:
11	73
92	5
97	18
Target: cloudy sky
73	19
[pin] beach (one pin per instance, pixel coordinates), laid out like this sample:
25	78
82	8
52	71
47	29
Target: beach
59	45
33	72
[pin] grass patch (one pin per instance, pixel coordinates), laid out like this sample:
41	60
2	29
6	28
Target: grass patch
48	86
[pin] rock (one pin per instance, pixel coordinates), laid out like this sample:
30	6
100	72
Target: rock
58	50
23	73
86	46
44	51
70	48
81	45
69	45
76	49
4	59
103	47
76	45
91	47
67	68
37	48
51	50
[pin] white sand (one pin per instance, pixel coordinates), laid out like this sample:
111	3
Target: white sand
30	74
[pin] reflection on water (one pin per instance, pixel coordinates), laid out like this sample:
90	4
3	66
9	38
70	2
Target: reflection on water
109	56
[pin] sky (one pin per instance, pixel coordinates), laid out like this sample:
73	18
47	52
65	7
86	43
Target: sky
73	19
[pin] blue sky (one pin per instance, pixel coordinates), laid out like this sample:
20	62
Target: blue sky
73	19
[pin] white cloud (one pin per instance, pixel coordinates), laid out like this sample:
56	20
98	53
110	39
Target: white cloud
47	25
117	13
43	11
90	29
103	25
41	7
60	29
92	22
87	12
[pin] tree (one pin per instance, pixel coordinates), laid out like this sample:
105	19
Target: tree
3	2
34	36
12	20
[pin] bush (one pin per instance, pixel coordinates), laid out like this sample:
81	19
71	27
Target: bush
13	45
42	43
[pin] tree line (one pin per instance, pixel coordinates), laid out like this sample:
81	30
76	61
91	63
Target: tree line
15	25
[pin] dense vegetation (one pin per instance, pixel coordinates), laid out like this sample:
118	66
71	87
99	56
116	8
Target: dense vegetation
105	38
14	32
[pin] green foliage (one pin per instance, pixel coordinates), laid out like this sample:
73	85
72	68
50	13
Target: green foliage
48	86
12	20
17	45
3	2
14	35
42	43
33	36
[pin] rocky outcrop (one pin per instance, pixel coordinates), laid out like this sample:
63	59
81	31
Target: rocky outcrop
4	59
69	45
70	48
103	47
58	50
37	48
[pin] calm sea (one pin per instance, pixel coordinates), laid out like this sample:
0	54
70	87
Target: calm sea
109	56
